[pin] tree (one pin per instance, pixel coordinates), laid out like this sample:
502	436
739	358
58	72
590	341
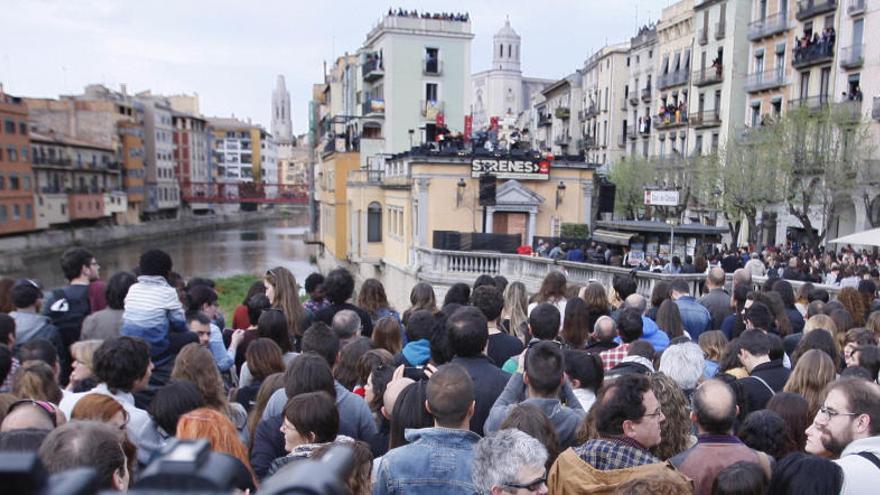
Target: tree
630	176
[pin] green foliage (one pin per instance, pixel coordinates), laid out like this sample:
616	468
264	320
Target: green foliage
631	175
231	292
575	230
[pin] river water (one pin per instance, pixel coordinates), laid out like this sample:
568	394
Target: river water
244	249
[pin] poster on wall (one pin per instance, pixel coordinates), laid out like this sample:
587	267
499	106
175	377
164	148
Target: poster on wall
511	169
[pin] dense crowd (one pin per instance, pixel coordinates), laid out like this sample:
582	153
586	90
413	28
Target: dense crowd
571	389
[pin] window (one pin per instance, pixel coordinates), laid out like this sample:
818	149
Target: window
756	114
14	183
24	153
29	211
12	154
374	222
22	128
27	182
431	90
4	214
432	60
16	212
9	127
2	182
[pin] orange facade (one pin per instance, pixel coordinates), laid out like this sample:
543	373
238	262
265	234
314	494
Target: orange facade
16	171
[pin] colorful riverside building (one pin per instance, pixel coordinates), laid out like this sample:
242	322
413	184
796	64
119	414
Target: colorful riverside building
16	172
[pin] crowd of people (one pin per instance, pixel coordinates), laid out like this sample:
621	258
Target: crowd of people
817	45
571	389
442	16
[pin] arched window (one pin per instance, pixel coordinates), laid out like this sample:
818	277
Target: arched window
500	50
509	51
374	222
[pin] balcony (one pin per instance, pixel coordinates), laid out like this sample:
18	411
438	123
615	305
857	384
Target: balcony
875	108
719	30
590	112
562	140
432	67
704	119
431	108
817	53
852	57
544	119
810	103
631	133
562	113
373	107
373	69
634	98
671	79
768	79
590	143
768	26
670	121
646	94
703	36
849	111
811	8
708	75
855	7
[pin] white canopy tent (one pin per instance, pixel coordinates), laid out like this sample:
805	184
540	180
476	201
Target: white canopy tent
866	238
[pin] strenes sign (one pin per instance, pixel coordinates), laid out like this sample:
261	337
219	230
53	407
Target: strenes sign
511	169
661	198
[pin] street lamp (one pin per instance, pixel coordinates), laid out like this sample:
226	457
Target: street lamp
459	191
560	193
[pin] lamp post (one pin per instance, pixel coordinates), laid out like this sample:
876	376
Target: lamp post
560	193
459	191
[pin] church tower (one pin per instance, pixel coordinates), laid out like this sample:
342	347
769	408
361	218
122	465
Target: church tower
505	49
282	124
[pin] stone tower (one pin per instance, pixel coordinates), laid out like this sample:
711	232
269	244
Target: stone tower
282	123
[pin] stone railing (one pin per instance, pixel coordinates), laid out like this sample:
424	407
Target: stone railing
444	268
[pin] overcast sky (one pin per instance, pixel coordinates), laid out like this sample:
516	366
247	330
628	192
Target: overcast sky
229	52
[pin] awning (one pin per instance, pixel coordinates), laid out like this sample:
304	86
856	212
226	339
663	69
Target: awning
611	237
866	238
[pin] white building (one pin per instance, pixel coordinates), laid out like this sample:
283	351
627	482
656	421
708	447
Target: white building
605	81
282	121
639	99
502	91
162	186
557	116
233	152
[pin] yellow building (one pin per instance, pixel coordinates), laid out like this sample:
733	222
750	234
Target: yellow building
332	199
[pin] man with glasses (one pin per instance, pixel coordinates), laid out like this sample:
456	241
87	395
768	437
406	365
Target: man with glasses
510	461
849	422
714	413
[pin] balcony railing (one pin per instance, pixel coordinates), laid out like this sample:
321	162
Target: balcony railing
852	57
590	112
849	111
670	120
432	67
768	26
811	8
855	7
634	98
671	79
589	142
544	119
875	108
373	69
811	103
769	79
817	53
562	140
562	113
708	75
646	94
719	30
431	108
373	107
706	118
702	36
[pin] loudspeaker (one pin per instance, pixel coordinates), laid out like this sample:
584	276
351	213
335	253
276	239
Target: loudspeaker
607	191
487	190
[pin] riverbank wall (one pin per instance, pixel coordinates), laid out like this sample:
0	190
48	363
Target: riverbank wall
15	251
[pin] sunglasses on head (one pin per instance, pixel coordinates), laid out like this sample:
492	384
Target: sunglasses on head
47	407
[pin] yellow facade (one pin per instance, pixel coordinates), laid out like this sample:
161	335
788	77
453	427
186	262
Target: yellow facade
257	146
332	199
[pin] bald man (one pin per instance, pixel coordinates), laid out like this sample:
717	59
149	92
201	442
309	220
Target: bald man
392	391
716	300
604	333
650	331
714	413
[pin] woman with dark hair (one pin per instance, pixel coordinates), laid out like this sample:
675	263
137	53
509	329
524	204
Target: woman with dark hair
734	324
795	411
740	478
255	307
661	292
585	371
314	286
669	319
552	291
843	322
802	298
273	382
821	340
804	474
795	318
531	420
576	330
203	299
346	369
170	403
373	300
781	325
766	431
421	297
852	301
283	292
388	334
240	319
409	413
105	324
6	284
459	293
264	358
272	325
311	420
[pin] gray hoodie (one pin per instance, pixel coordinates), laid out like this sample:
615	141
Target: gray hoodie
29	326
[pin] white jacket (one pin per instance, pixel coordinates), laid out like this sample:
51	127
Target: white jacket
860	476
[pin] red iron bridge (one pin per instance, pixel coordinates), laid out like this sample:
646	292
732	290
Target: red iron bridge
243	192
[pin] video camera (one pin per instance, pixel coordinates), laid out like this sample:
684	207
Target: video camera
184	467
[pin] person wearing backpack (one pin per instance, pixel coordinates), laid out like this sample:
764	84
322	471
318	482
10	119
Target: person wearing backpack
68	307
27	298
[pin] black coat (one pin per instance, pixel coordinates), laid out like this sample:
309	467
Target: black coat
489	382
757	394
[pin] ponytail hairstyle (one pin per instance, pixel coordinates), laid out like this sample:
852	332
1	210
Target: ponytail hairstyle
36	380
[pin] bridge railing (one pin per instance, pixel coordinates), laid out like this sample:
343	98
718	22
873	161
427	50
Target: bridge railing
444	267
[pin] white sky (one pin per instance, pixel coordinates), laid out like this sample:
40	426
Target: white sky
229	52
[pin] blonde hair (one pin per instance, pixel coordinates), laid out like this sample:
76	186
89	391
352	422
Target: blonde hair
516	308
822	321
36	380
813	371
84	350
712	344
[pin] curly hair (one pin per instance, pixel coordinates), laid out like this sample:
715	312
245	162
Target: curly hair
853	302
676	429
764	430
622	400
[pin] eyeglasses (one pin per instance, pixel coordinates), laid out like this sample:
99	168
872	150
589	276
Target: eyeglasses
829	414
658	412
47	407
531	486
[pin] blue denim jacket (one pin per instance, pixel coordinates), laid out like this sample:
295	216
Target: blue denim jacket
694	316
437	460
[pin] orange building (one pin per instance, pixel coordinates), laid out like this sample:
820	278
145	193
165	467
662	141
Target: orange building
16	172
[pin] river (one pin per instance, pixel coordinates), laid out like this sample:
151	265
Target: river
244	249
